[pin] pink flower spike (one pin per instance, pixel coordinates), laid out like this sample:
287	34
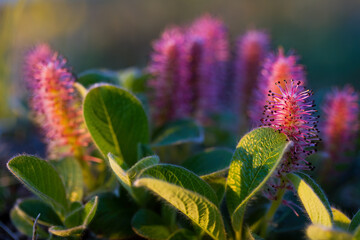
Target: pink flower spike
56	106
251	49
292	112
341	123
276	68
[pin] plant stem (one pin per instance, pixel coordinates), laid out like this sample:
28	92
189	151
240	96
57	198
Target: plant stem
271	212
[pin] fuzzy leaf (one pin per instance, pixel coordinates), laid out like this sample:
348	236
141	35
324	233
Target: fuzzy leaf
67	232
93	76
182	234
313	198
149	225
340	219
112	217
181	177
199	209
32	207
355	222
24	223
177	132
135	170
210	161
255	159
116	121
319	232
70	172
41	178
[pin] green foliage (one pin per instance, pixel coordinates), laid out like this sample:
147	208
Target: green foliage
209	162
182	178
355	222
41	178
70	172
94	76
24	223
116	121
150	225
32	207
112	218
318	232
340	219
178	132
198	208
313	199
255	159
182	234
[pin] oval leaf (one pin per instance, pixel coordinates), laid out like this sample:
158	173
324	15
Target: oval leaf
93	76
177	132
340	219
70	171
318	232
24	223
41	178
210	161
149	225
313	198
116	121
32	207
255	159
181	177
355	222
196	207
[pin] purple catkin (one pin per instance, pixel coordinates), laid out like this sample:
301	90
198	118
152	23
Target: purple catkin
276	68
188	68
168	66
341	122
291	112
251	49
213	64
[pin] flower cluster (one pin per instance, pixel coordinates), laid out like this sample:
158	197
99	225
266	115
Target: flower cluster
276	68
251	50
341	123
188	66
292	112
56	106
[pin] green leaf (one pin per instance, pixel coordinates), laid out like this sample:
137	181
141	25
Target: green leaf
70	172
93	76
255	159
181	177
83	215
120	173
116	121
355	222
210	161
198	208
133	80
40	178
313	198
182	234
67	232
24	223
218	184
178	132
135	170
319	232
32	207
357	233
144	150
340	219
112	217
77	221
149	225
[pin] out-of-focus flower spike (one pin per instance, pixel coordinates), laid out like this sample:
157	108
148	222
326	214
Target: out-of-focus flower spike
276	68
341	122
56	106
251	49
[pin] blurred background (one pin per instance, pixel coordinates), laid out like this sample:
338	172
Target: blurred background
117	34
